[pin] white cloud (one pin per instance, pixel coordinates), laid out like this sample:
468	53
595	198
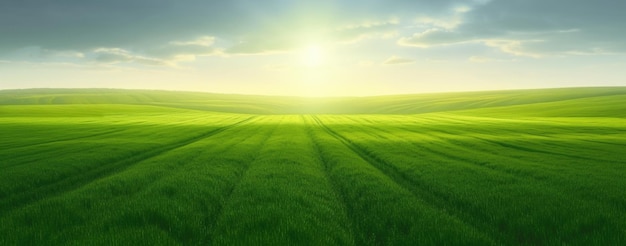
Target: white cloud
365	30
446	22
506	44
529	28
371	24
396	60
63	53
430	22
261	46
170	54
201	41
513	47
118	55
178	51
433	37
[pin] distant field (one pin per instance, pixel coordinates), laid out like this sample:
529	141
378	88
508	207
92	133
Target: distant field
124	167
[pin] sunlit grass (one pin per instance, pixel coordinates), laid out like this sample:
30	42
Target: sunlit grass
124	167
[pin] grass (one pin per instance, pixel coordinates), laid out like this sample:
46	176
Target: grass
541	167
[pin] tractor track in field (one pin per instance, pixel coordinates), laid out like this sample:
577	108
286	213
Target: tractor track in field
73	138
454	156
430	197
229	193
521	148
64	139
333	183
533	150
30	162
209	218
17	164
518	147
473	162
74	182
602	142
460	158
512	146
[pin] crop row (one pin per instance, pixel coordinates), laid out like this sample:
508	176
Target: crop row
501	186
220	179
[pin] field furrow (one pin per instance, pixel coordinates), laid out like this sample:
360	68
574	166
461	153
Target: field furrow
467	151
477	190
422	190
157	168
471	150
109	199
194	190
16	148
244	169
45	190
311	124
284	197
542	137
422	202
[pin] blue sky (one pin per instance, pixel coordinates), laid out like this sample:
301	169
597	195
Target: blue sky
312	48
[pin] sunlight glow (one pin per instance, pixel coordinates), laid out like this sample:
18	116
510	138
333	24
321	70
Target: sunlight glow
313	56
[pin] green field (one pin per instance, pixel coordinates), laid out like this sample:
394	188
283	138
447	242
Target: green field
125	167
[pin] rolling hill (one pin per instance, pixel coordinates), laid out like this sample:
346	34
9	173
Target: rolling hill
587	99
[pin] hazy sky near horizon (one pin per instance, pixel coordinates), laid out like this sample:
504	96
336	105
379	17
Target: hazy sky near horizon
312	48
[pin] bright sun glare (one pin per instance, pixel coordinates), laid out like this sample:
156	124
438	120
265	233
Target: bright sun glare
313	56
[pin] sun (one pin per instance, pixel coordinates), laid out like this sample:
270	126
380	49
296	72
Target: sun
313	56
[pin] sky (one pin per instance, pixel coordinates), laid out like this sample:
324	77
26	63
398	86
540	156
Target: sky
312	48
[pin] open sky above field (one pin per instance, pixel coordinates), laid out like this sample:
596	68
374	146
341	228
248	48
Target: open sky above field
312	48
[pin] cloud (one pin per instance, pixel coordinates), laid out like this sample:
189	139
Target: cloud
38	54
513	47
148	24
118	55
434	37
85	25
449	20
517	45
368	29
534	28
168	54
442	29
282	41
147	28
205	41
396	60
186	50
260	45
62	53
